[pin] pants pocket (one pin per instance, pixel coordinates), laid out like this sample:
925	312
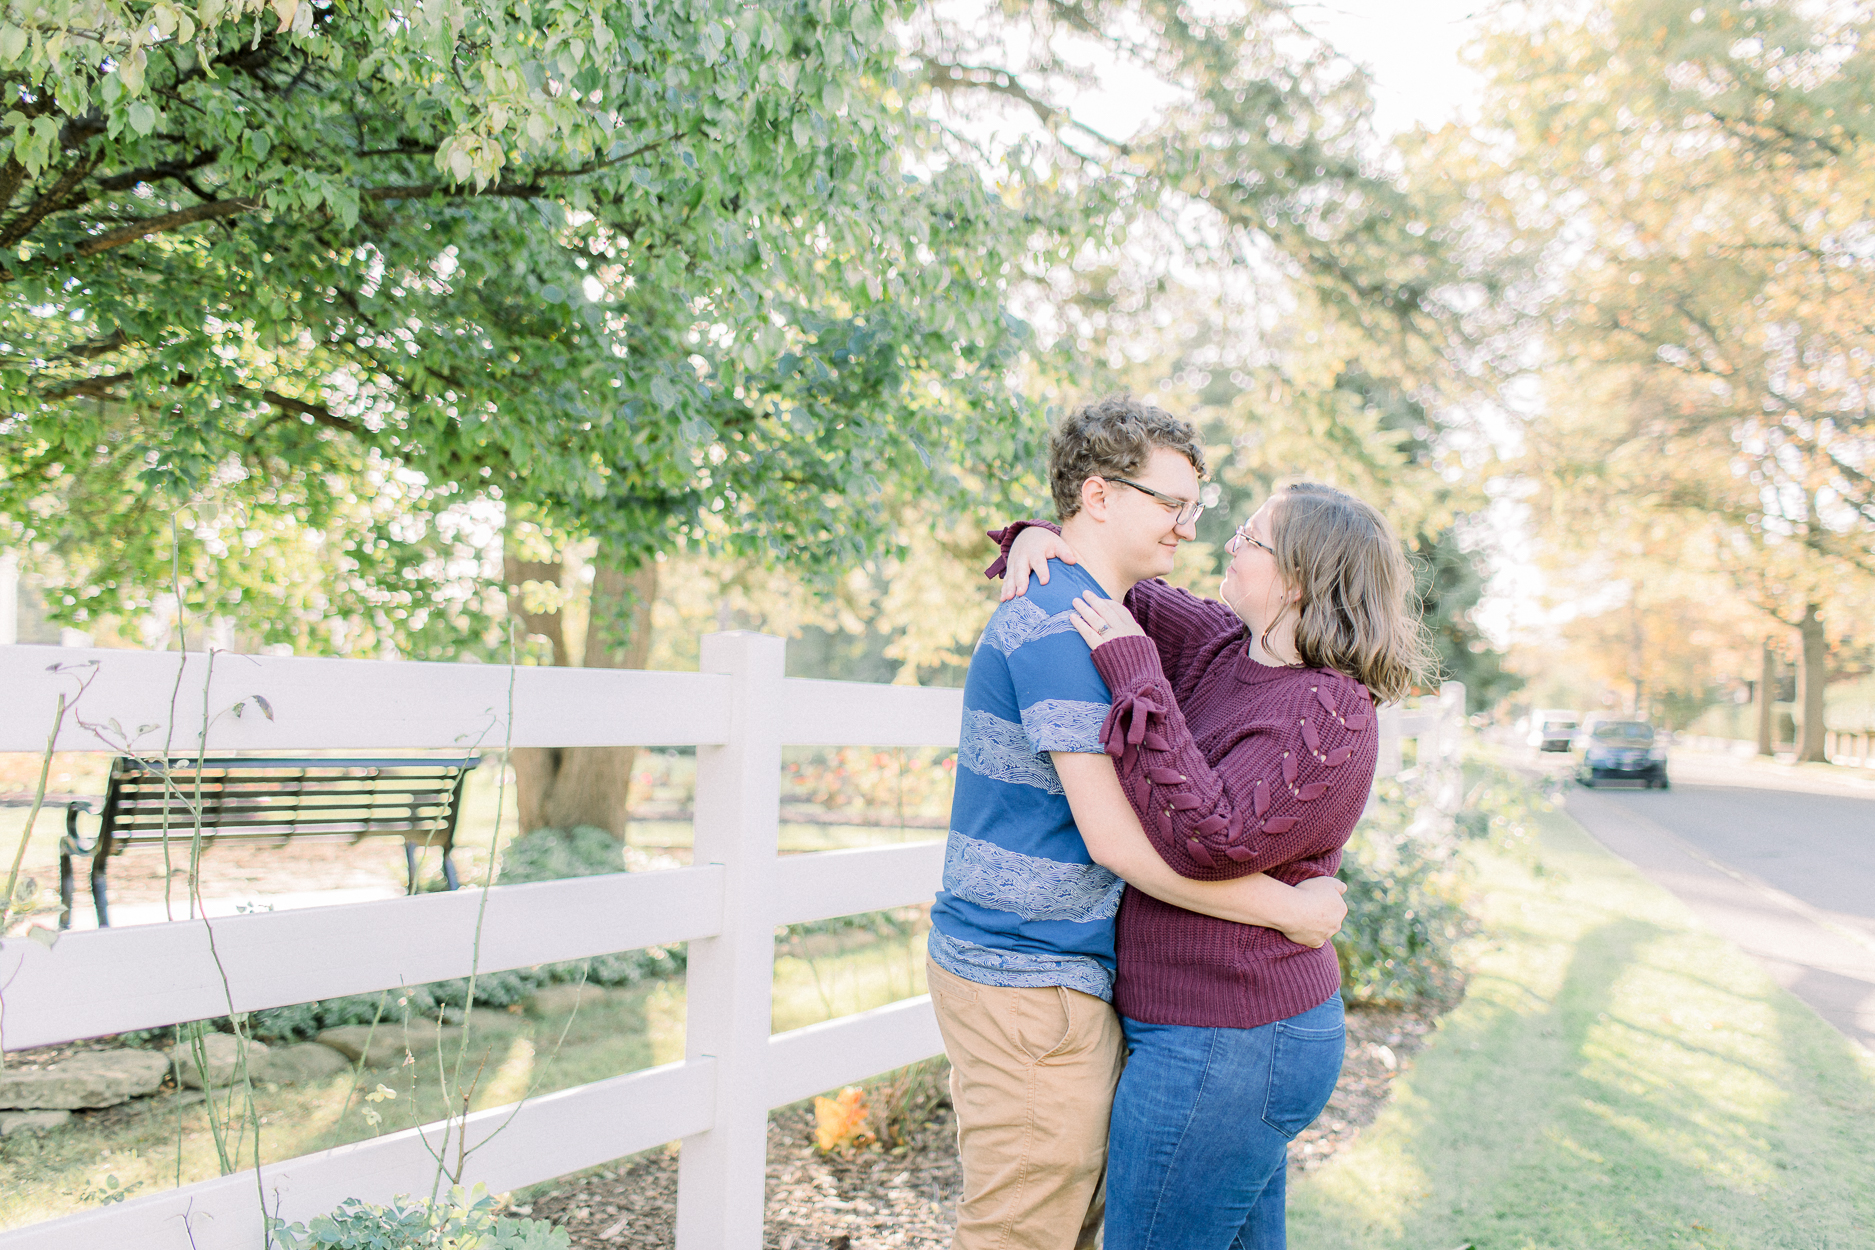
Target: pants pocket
938	981
1304	1065
1044	1022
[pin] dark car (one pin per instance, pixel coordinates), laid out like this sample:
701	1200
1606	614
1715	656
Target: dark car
1620	750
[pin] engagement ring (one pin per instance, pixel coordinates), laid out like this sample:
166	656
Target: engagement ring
1104	627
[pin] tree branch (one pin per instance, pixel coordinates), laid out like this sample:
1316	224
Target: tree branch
100	387
11	175
167	222
130	178
30	217
950	78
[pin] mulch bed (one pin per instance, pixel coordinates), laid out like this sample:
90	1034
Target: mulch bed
905	1199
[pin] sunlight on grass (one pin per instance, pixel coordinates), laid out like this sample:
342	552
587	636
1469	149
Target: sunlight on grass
809	990
1617	1076
511	1081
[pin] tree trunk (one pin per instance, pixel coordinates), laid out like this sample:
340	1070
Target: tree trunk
1767	699
550	624
1637	658
1812	679
566	787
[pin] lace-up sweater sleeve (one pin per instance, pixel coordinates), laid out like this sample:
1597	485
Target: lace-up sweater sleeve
1294	755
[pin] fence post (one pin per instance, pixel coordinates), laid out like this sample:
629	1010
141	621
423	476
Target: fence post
722	1172
1450	778
1387	725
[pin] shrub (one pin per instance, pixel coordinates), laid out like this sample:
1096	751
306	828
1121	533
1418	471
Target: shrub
303	1021
1406	881
555	854
464	1219
900	1101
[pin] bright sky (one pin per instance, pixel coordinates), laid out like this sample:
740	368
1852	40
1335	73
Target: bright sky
1410	47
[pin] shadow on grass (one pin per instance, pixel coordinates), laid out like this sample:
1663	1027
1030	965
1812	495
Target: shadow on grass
1655	1100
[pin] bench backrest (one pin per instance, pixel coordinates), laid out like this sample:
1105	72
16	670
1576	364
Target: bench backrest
269	798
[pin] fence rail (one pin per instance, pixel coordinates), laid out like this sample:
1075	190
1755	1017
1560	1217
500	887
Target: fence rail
739	712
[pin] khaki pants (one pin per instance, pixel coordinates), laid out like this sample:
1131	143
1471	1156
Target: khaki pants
1032	1078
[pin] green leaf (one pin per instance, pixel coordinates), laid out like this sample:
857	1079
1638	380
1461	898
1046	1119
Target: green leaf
663	394
142	117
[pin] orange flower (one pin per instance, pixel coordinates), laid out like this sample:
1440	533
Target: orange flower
841	1122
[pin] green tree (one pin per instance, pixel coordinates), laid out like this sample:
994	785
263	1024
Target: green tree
629	274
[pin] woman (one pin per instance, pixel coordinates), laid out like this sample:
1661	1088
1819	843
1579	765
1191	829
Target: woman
1244	735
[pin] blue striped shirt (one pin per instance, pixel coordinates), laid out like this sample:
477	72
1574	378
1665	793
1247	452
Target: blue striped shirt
1023	903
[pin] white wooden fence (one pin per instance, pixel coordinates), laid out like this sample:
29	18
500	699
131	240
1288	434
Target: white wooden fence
739	712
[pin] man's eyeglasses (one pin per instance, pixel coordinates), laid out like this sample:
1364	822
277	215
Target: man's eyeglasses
1188	510
1236	541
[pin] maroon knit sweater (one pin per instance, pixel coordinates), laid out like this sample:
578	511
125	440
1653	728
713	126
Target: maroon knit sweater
1234	767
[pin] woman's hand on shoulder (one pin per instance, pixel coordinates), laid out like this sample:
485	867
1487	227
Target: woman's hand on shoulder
1102	620
1030	553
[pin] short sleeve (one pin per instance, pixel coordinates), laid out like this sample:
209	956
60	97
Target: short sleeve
1061	694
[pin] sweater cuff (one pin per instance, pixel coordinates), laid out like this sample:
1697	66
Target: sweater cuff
1006	538
1128	661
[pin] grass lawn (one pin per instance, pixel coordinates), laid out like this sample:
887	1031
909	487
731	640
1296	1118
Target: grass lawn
1617	1076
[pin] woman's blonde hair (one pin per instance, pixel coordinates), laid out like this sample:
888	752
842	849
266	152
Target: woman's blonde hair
1356	608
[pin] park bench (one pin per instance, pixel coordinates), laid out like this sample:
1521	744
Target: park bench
258	799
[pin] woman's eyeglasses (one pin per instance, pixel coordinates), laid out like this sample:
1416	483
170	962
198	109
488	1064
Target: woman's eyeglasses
1187	511
1242	536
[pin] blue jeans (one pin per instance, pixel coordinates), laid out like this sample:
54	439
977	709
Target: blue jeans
1201	1127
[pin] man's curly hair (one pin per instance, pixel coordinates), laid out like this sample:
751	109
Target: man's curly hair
1112	437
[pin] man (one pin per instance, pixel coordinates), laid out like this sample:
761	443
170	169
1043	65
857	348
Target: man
1021	949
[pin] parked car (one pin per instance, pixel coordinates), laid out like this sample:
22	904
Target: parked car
1620	750
1552	729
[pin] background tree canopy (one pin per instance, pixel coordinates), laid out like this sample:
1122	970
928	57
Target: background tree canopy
636	272
1698	181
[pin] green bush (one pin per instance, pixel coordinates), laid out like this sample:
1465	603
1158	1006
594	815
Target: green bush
303	1021
1405	889
465	1219
555	854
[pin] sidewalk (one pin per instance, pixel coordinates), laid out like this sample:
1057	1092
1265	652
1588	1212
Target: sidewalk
1716	768
1824	959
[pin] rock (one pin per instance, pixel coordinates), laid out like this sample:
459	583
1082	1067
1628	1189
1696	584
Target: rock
560	1000
223	1054
307	1061
93	1078
388	1044
12	1122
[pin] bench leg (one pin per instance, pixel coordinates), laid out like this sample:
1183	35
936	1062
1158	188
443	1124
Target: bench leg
97	897
449	871
410	863
65	887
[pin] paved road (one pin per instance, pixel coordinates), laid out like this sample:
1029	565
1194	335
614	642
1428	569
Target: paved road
1785	871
